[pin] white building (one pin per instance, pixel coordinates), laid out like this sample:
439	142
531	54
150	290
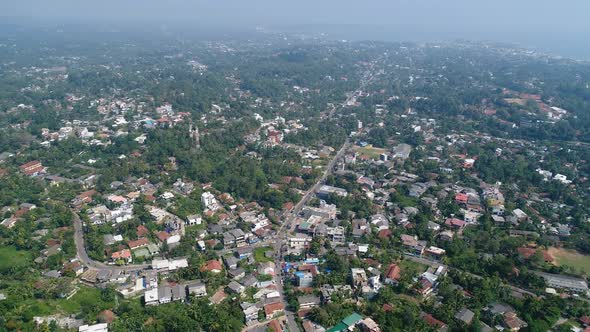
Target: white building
209	201
102	327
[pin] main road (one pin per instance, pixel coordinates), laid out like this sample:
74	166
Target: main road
92	264
281	235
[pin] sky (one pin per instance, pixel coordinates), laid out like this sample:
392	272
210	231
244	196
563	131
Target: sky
559	26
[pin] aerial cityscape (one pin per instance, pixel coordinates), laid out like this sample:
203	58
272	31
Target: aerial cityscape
276	179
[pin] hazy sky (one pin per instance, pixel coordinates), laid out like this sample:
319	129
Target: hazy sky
560	24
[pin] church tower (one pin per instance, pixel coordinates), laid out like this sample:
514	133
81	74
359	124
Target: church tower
194	134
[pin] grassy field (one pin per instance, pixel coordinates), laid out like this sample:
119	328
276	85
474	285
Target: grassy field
369	151
11	258
85	296
259	254
571	258
413	267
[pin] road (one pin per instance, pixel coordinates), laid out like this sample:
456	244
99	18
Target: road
92	264
281	236
436	264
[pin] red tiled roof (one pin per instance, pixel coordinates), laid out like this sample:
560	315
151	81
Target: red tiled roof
138	243
272	308
275	326
212	265
162	236
384	233
32	167
125	253
393	272
460	197
430	320
454	222
142	231
33	163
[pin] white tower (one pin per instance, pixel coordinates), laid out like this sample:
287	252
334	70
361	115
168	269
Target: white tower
194	134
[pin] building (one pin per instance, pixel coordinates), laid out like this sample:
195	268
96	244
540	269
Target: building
308	301
272	310
151	296
359	277
209	201
194	219
164	294
197	288
520	215
304	279
102	327
348	323
33	168
368	325
393	274
576	285
213	266
325	191
465	315
402	151
123	255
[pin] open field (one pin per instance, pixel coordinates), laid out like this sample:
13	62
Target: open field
413	267
11	258
259	254
570	258
369	151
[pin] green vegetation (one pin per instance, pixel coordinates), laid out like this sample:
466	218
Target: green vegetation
571	260
12	260
259	254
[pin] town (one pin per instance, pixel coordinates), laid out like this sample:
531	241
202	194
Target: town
294	186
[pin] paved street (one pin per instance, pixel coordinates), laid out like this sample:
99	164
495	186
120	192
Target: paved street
289	222
436	264
83	255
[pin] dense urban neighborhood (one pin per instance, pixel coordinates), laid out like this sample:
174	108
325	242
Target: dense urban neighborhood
281	182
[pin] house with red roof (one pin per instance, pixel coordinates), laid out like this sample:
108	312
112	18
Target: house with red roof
273	309
275	326
213	266
83	198
433	322
124	255
142	231
393	274
33	168
461	198
384	234
162	236
455	224
141	242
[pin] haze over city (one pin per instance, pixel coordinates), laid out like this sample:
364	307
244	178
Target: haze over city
288	166
553	26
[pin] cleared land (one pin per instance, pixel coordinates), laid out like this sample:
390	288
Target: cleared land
12	259
259	254
369	151
570	258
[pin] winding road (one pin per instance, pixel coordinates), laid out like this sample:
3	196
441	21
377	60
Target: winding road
92	264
